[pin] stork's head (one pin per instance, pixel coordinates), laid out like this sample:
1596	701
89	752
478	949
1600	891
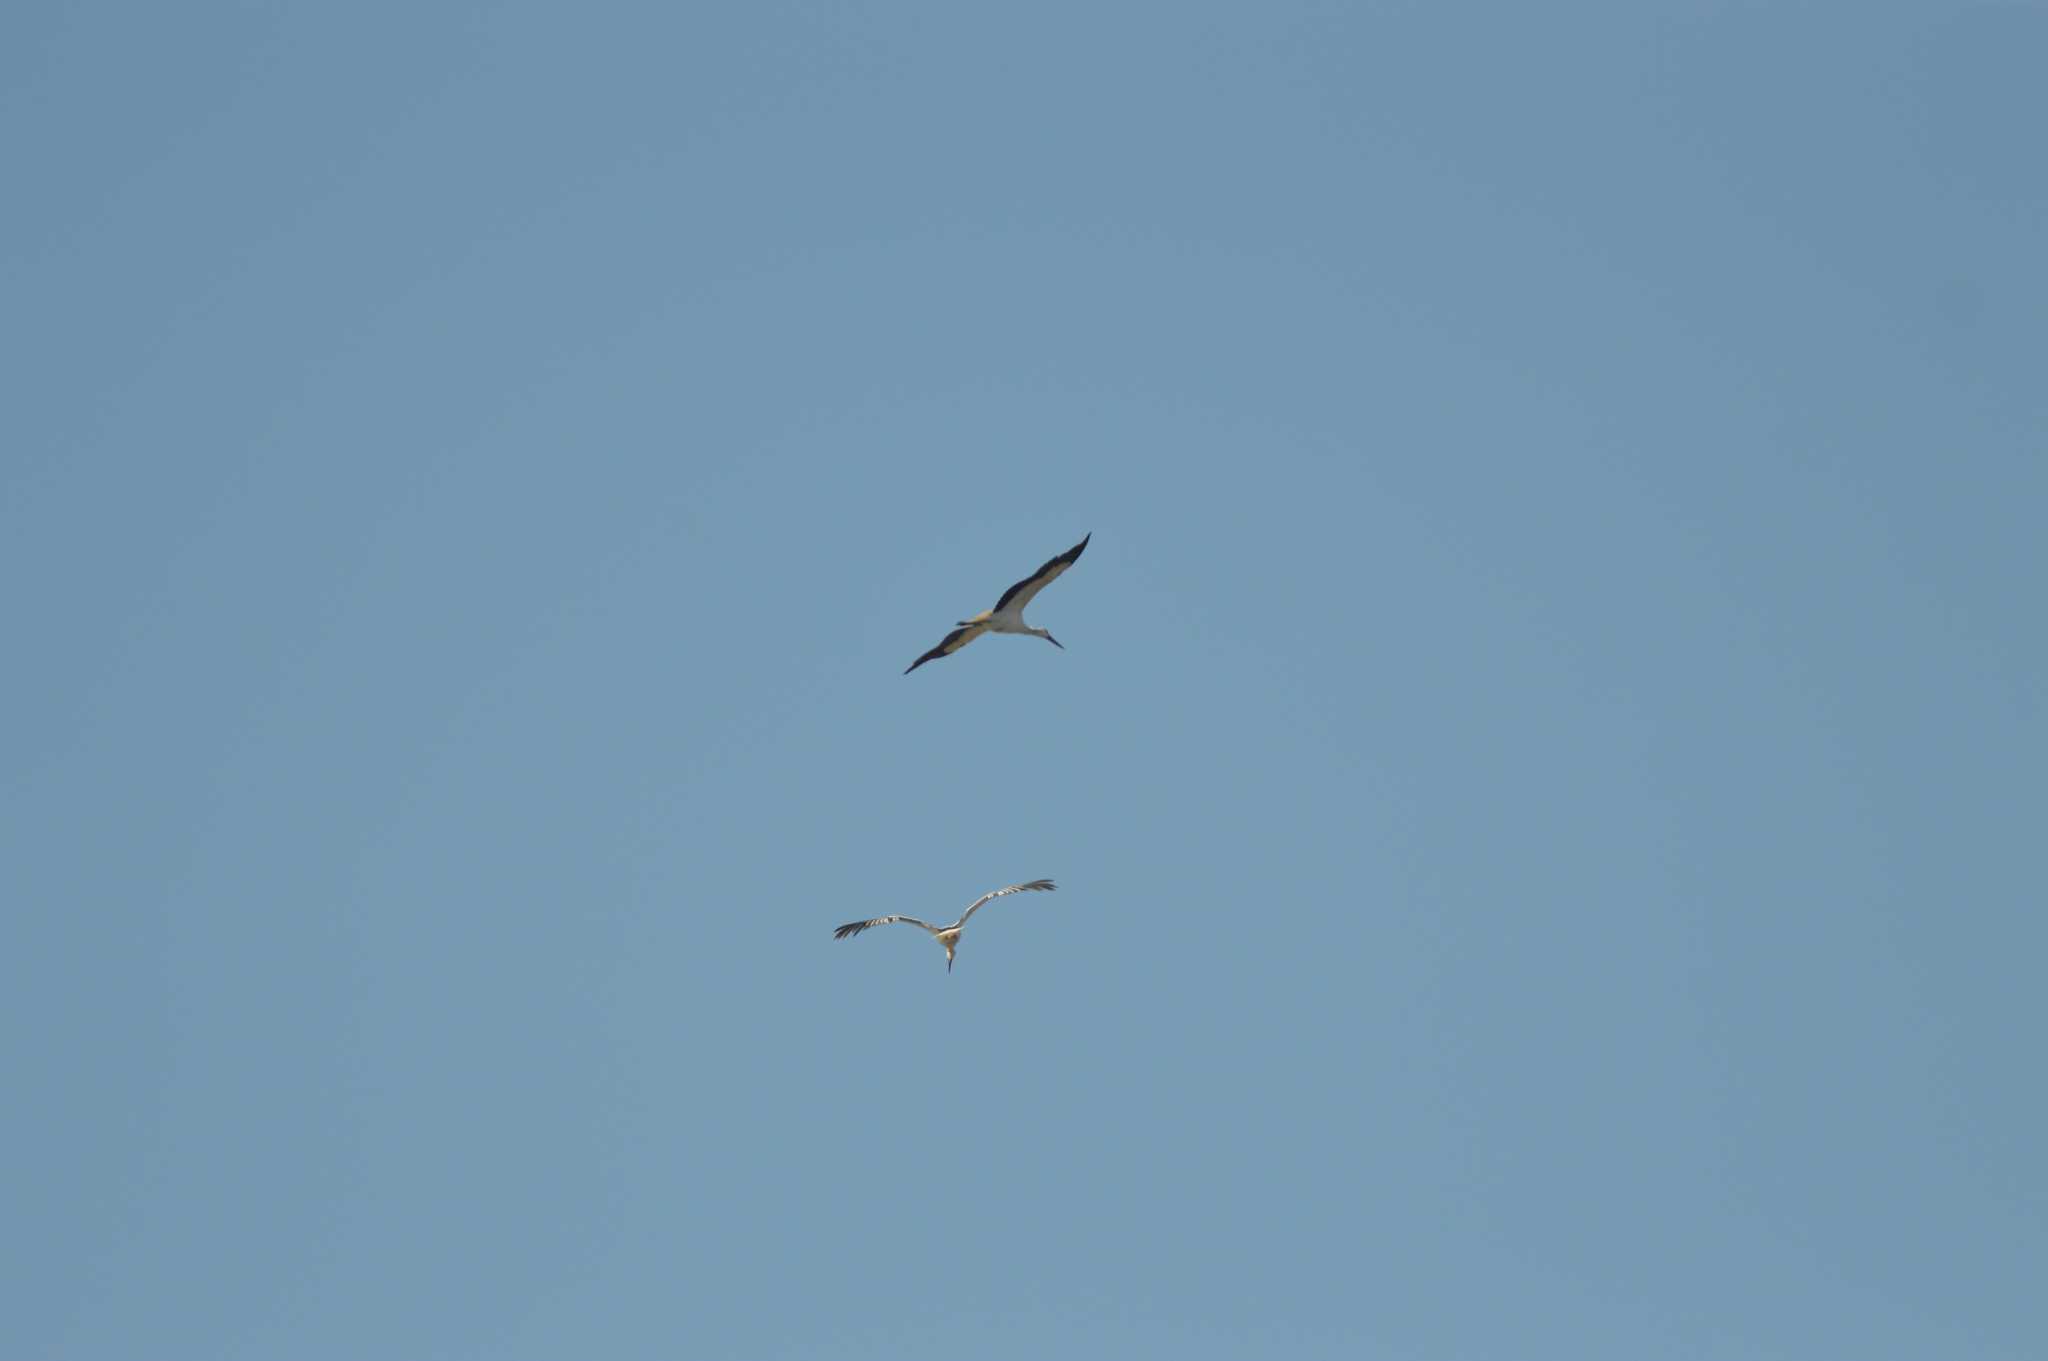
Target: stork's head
1047	635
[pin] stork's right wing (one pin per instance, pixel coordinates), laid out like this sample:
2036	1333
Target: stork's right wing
1030	586
1035	886
855	928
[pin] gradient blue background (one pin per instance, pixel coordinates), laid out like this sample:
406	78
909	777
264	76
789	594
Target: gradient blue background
1546	776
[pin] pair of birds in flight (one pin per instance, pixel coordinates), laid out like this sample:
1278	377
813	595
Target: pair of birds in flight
1006	617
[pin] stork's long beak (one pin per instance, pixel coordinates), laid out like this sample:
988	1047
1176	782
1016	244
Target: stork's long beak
1055	642
949	961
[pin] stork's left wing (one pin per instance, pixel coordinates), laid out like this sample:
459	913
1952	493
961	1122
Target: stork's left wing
1035	886
950	644
855	928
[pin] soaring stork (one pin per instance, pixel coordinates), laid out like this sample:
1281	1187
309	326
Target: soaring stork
1008	615
948	935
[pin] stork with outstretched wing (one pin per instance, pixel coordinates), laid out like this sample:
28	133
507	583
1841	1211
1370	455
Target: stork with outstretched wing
948	935
1008	615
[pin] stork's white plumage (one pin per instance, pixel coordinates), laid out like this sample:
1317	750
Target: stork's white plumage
1008	615
949	934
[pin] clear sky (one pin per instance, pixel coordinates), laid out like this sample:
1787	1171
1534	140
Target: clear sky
1545	779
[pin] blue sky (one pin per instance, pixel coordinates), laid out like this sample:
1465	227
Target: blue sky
1544	777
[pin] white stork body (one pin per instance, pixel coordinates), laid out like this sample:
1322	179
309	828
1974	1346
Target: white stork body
1008	615
949	934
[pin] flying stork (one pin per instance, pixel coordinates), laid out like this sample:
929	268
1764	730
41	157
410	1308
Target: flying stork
1008	615
948	935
